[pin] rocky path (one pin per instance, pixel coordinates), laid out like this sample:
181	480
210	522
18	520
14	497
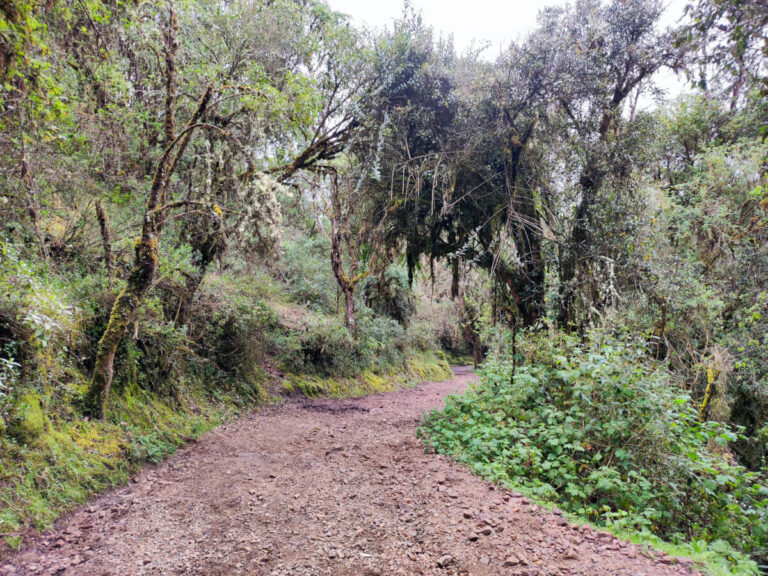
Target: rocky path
338	487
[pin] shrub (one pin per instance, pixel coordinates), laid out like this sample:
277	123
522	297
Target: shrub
388	294
383	341
601	430
157	357
327	347
28	421
307	265
234	327
37	316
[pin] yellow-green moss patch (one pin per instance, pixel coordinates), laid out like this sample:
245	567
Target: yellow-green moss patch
421	367
429	366
72	459
28	422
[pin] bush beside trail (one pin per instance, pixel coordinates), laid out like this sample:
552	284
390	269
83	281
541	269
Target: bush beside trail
602	431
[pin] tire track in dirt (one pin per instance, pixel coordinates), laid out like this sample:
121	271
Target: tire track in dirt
325	487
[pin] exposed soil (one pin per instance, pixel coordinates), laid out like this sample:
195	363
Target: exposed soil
339	487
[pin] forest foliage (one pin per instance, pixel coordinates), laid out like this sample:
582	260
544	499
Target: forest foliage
199	196
602	430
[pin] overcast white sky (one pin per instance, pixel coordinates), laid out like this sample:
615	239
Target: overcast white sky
495	21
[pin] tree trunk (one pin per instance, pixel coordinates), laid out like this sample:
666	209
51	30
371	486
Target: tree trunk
144	266
340	235
120	318
455	277
346	285
31	196
171	47
106	239
349	298
580	246
527	287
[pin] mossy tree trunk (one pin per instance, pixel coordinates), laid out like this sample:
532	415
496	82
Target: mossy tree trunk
120	317
144	268
340	214
455	277
106	239
346	283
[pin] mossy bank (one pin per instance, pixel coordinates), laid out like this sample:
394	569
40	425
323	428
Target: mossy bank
52	459
419	367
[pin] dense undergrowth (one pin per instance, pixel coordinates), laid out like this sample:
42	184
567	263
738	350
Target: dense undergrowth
602	430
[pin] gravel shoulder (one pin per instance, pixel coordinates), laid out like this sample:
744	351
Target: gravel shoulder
325	487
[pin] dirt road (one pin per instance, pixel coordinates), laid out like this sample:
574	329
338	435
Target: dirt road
338	487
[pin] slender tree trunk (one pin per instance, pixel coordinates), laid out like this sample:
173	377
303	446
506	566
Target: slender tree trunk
349	298
339	216
529	285
455	277
32	205
106	240
171	47
29	184
344	282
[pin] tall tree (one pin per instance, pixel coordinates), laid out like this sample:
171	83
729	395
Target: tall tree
142	274
603	53
288	105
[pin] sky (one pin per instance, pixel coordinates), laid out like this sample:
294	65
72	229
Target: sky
494	21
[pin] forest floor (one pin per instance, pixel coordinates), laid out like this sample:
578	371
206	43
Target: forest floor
314	487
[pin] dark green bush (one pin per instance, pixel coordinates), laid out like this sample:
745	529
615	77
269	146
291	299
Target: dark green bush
234	329
327	347
602	431
389	294
157	358
383	341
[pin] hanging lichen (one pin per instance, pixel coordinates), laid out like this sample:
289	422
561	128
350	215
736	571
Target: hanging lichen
259	219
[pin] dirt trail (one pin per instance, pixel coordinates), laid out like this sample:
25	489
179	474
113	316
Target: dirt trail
338	487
